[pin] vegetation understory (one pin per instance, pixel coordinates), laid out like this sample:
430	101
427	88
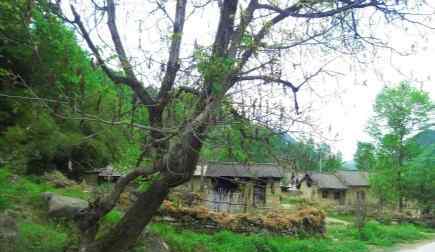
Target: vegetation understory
22	199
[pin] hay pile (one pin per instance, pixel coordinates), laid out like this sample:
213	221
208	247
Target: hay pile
304	221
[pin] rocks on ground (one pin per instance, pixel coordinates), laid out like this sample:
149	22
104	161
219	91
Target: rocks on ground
58	180
62	206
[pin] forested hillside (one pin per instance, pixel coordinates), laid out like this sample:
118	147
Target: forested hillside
426	137
57	109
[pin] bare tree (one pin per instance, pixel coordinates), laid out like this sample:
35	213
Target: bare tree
250	38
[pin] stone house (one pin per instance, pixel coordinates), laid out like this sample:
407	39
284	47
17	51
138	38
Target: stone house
102	175
341	187
233	187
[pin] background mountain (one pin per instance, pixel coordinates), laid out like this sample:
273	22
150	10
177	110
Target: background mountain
426	137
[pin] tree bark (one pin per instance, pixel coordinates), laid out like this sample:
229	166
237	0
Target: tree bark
126	233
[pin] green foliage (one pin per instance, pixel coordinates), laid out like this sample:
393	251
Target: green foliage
420	179
213	69
400	112
41	238
342	239
27	190
365	156
21	195
339	239
43	60
384	235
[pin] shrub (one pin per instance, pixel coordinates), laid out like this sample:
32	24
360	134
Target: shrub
387	235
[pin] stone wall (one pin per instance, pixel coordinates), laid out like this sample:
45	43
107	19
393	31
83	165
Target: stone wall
305	221
244	203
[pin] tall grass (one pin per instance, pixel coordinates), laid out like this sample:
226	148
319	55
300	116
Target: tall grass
225	241
338	239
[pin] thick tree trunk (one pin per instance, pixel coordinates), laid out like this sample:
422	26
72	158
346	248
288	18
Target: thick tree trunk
126	233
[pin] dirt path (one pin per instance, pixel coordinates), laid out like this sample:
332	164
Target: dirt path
428	246
422	246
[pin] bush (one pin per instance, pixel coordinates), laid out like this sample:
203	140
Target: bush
387	235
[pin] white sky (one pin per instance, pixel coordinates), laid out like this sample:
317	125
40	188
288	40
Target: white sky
348	115
346	101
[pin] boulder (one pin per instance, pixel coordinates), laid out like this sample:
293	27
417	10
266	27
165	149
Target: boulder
8	233
62	206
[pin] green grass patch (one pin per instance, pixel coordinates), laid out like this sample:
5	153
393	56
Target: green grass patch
388	235
338	239
27	190
22	195
292	200
225	241
41	238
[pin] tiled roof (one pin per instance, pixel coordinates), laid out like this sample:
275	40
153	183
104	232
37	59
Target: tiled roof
327	181
240	170
353	178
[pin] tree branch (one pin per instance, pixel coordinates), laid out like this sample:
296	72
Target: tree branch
88	217
173	65
111	23
136	85
225	27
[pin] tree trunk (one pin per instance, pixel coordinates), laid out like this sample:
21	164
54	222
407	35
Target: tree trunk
126	233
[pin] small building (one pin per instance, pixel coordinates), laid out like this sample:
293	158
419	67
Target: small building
98	176
357	183
341	187
232	187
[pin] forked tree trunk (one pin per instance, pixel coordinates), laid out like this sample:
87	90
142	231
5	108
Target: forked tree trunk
126	233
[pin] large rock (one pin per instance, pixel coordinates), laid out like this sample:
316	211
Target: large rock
8	233
62	206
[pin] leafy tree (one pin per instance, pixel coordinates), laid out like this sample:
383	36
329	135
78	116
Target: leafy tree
399	112
365	156
50	94
419	179
196	80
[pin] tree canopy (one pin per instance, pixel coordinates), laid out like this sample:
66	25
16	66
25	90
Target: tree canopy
399	113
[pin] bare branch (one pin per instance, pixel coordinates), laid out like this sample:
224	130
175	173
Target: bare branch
172	66
269	79
136	85
111	23
91	215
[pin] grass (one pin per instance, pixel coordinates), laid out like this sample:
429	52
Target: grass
27	190
37	233
21	196
225	241
41	237
338	239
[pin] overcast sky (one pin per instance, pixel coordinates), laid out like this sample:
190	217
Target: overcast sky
348	115
341	105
